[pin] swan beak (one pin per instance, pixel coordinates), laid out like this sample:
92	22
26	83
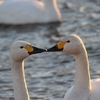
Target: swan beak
33	50
58	47
54	49
36	50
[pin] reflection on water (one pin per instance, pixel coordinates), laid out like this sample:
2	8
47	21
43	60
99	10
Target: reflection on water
49	75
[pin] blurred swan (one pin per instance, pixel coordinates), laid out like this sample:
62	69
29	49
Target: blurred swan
18	52
29	11
84	88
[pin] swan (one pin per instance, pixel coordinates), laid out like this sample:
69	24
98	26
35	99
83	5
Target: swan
29	11
83	88
18	52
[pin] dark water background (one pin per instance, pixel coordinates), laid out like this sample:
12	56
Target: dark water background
49	75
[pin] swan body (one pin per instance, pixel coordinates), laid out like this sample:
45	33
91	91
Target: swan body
29	11
18	52
83	88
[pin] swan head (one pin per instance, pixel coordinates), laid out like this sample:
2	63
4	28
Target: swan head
71	44
22	49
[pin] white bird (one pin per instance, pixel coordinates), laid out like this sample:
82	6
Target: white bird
18	52
83	88
29	11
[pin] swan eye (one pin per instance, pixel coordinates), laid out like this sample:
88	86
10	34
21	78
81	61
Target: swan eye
68	41
21	47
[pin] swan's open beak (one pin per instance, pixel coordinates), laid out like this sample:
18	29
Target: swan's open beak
33	50
54	49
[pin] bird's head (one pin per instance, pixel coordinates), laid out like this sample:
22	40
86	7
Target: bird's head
22	49
71	44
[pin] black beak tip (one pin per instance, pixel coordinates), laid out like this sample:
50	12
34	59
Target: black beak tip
41	50
46	50
49	50
54	49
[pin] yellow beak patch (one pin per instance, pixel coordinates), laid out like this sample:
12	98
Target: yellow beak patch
61	44
29	48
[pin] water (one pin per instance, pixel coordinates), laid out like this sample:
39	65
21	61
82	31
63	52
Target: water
49	75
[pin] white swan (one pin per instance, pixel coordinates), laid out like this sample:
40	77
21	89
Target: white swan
84	88
29	11
18	52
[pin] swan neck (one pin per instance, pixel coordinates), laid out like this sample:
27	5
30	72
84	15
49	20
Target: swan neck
19	82
50	2
51	8
82	78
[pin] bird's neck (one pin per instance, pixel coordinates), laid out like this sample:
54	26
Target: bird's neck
19	82
51	8
49	2
82	78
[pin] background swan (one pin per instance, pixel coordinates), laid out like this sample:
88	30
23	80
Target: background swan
29	11
84	88
18	52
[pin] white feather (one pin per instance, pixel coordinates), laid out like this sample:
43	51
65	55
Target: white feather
29	11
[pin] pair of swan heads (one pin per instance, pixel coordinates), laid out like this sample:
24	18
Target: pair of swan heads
71	44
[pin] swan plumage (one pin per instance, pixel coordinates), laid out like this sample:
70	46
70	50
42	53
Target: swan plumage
18	52
29	11
83	88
